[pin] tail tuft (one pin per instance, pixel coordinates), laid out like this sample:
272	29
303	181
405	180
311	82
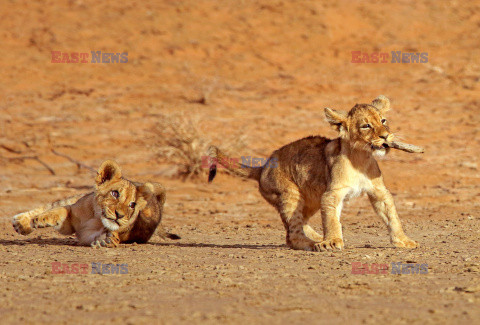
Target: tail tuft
212	173
218	157
212	153
164	234
173	236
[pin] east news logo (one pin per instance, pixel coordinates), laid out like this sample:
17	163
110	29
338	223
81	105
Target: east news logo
84	268
246	161
397	268
82	57
382	57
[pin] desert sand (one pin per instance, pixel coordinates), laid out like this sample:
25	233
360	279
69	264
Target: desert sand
260	72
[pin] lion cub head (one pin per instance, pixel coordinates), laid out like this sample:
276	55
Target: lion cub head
118	200
365	126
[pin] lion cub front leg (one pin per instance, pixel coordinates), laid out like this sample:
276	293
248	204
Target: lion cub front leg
108	239
25	223
332	203
384	206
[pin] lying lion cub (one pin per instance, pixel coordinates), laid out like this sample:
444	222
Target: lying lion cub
118	211
318	173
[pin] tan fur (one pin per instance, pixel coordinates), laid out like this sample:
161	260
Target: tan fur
316	173
118	211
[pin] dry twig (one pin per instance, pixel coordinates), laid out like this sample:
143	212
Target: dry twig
78	163
405	147
36	158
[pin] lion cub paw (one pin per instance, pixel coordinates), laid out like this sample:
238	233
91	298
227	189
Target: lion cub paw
22	224
106	240
334	243
405	242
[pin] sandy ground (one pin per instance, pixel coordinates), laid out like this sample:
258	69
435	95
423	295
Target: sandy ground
263	71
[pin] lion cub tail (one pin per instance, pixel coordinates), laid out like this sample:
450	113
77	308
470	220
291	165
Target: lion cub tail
164	234
232	165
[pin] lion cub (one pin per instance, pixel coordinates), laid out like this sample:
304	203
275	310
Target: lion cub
318	173
118	211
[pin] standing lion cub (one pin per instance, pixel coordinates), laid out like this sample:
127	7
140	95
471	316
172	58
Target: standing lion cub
318	173
118	211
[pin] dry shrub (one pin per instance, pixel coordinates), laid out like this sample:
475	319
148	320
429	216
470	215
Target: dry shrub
181	141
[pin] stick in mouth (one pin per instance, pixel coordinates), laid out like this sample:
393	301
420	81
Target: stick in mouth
405	147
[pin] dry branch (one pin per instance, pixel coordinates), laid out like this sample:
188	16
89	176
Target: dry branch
23	158
405	147
76	162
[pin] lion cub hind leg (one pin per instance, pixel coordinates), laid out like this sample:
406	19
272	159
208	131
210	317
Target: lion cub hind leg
286	198
312	234
290	209
308	212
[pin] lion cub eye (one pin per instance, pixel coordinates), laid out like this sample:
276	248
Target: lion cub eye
384	121
366	126
132	205
115	194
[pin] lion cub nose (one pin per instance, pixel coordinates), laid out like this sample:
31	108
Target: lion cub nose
387	136
119	216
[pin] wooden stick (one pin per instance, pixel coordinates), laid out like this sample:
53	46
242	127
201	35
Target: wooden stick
9	149
405	147
23	158
76	162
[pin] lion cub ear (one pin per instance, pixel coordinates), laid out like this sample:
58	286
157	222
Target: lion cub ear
108	171
338	120
382	103
149	190
145	190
